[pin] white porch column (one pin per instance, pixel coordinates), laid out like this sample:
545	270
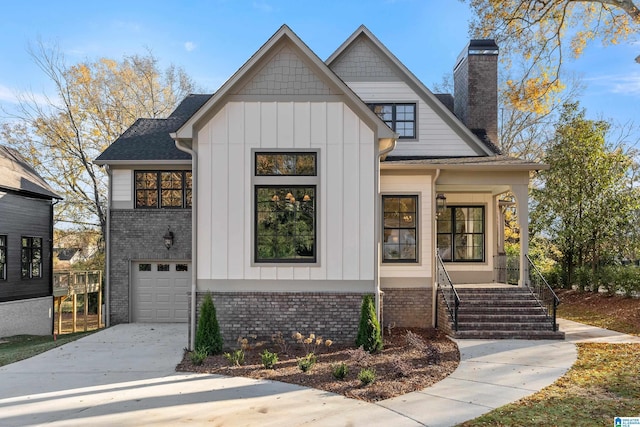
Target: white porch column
521	192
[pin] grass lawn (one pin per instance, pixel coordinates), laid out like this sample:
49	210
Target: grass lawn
13	349
603	384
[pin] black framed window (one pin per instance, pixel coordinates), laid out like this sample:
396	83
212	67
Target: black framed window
164	189
461	234
285	186
31	259
3	257
399	117
400	234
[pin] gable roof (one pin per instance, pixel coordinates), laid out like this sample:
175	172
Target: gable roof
16	174
479	145
150	140
284	37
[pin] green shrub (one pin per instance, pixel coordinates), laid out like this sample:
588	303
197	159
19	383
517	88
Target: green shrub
269	359
307	362
585	279
198	355
369	335
340	371
208	333
367	376
236	357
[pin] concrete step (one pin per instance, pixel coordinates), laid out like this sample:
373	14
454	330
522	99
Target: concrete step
503	326
516	335
515	310
502	318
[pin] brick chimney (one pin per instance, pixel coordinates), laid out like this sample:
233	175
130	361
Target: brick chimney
475	82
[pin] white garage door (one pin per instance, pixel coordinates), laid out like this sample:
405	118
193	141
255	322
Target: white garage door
160	291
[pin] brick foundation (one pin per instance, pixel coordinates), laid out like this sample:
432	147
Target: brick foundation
407	307
333	316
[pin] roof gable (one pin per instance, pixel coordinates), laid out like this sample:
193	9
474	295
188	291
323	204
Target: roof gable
17	174
363	48
283	66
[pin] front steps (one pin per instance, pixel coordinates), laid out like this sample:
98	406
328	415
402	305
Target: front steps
501	313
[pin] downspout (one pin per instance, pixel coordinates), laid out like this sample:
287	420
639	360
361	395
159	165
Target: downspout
194	240
107	257
51	278
381	154
434	245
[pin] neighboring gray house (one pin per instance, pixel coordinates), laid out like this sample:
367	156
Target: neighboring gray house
26	238
302	185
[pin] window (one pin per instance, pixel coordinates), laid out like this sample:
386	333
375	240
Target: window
400	228
182	267
285	207
31	257
461	234
144	267
164	267
399	117
3	257
164	189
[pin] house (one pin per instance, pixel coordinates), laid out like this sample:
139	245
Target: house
26	239
303	184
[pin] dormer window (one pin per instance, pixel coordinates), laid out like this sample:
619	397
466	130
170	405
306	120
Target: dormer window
399	117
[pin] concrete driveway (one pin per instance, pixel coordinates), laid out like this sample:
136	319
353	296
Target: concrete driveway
125	376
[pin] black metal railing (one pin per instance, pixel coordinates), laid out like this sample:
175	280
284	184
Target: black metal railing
448	291
506	269
539	287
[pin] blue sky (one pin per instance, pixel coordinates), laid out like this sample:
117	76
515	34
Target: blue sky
211	39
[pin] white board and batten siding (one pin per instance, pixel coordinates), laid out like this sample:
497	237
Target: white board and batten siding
435	136
413	185
345	199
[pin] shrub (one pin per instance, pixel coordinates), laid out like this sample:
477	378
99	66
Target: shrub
269	359
340	371
369	336
198	355
359	356
310	344
278	339
367	376
236	357
400	367
415	341
208	333
307	362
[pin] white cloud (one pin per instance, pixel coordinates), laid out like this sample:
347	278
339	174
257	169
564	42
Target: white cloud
262	6
190	46
8	95
626	84
13	96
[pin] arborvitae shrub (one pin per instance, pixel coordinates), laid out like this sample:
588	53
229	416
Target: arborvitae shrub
369	336
208	334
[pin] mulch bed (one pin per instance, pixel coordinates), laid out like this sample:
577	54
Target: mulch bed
401	367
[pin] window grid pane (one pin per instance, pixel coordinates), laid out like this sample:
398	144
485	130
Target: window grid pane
3	257
163	189
400	228
399	117
286	164
461	234
31	257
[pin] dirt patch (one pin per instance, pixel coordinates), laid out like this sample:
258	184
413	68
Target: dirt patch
402	367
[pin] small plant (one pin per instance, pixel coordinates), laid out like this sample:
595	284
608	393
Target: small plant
340	371
369	335
198	355
208	333
278	340
390	327
249	342
367	376
401	368
269	359
415	341
236	357
307	362
311	344
359	356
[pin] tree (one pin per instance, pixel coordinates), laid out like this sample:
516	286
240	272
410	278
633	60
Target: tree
94	103
369	333
208	335
587	202
538	36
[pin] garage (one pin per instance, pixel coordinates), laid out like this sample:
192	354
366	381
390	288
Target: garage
160	290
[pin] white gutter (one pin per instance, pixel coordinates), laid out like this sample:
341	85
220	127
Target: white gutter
381	154
107	255
194	241
434	245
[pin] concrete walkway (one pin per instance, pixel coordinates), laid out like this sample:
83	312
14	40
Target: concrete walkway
125	376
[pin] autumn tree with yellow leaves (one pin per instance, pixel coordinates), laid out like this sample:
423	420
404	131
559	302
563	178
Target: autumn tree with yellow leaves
93	103
537	36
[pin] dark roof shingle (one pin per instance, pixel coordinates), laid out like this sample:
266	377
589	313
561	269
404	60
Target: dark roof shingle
18	175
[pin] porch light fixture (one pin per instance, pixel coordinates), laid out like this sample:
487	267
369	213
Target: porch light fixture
441	204
168	239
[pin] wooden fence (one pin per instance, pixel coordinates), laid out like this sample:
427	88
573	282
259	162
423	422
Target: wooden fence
70	284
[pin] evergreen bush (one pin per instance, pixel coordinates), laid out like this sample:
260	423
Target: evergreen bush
208	333
369	335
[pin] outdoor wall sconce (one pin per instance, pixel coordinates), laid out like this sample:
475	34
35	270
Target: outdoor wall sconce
168	238
441	204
